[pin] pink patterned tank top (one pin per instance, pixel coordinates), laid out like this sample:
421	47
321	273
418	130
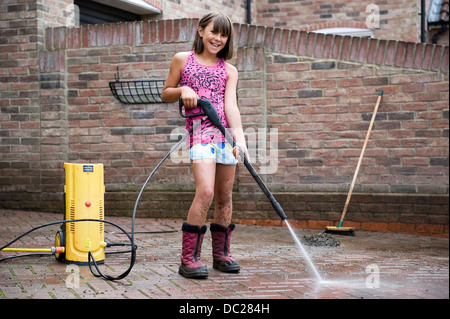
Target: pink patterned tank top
209	83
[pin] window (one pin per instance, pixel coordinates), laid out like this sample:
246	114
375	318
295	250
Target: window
103	11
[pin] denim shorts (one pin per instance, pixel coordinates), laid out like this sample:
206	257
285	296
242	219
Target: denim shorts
221	152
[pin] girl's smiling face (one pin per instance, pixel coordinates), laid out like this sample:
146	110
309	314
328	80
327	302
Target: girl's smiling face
213	40
214	36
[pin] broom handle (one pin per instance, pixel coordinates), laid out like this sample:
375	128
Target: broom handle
360	159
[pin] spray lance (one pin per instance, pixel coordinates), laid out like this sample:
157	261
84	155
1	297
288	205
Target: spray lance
211	113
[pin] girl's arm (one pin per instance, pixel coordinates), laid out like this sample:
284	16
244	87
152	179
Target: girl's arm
232	112
171	92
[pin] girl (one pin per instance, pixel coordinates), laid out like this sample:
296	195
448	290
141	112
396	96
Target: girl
203	73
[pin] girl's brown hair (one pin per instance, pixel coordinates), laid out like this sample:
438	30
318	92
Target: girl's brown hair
223	25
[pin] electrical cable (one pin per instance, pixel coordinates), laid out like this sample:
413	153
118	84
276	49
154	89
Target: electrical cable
91	259
27	255
56	223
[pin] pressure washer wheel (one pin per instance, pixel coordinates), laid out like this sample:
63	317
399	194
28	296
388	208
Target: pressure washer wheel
60	242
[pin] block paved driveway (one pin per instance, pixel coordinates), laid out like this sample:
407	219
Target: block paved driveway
370	265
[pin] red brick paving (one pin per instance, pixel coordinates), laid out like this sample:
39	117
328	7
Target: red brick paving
403	266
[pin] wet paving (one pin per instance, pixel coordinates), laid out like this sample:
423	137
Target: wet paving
369	265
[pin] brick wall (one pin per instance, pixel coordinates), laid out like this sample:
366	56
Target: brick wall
316	92
20	176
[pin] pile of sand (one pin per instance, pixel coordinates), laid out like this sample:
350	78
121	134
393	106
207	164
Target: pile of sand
320	239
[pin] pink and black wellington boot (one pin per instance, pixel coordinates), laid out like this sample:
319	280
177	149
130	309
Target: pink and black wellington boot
221	237
191	266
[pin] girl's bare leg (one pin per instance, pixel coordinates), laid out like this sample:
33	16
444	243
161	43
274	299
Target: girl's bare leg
223	191
204	174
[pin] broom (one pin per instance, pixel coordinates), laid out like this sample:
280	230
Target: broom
350	231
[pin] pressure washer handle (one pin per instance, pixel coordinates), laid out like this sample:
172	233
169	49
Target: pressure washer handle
191	115
211	113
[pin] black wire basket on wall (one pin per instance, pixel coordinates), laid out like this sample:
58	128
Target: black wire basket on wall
137	91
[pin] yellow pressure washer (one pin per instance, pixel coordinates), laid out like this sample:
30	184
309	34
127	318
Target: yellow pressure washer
81	239
83	199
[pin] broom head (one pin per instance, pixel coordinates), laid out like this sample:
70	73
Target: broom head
340	230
